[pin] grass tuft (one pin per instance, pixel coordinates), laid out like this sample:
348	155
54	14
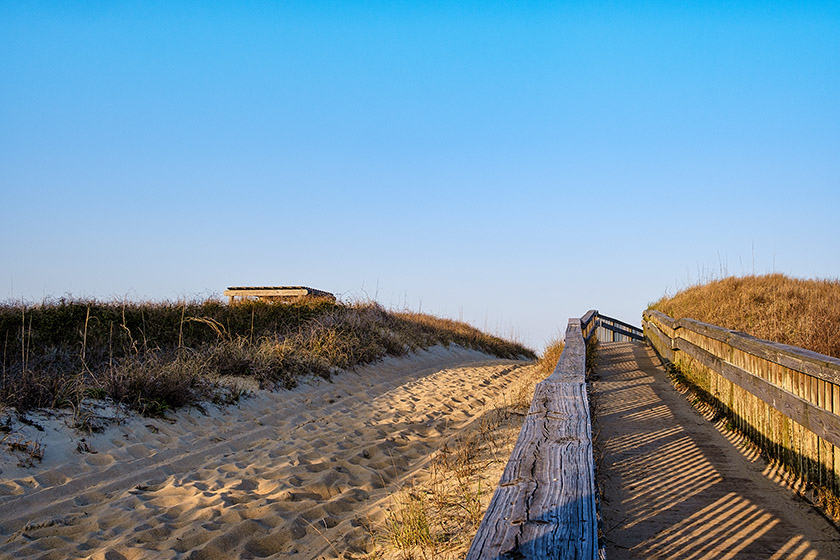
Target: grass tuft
550	357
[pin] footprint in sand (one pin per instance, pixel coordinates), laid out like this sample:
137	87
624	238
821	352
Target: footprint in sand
247	485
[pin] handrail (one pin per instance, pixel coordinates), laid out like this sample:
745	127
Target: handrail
611	322
593	320
546	503
785	399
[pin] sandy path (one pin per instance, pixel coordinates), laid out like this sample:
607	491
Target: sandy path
676	486
293	475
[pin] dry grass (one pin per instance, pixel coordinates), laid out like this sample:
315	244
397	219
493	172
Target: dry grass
550	357
438	518
429	330
802	313
159	356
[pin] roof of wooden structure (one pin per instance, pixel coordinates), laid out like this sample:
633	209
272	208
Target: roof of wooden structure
278	291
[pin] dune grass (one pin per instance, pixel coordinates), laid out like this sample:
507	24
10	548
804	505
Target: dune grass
775	307
550	356
155	356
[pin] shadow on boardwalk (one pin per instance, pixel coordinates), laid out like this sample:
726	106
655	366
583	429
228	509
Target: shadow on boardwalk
673	486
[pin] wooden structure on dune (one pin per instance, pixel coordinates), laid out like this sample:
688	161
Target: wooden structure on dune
284	294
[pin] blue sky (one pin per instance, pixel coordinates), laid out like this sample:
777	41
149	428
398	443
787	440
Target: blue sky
511	164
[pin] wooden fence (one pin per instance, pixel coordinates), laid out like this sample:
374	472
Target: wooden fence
608	329
785	399
546	502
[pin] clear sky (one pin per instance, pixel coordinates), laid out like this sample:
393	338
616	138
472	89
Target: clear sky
509	163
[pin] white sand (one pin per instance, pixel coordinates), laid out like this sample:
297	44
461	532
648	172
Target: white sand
289	474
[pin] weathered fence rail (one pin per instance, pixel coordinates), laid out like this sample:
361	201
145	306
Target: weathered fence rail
786	399
546	502
608	329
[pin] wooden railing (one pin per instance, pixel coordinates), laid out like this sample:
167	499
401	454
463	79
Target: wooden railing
546	502
608	329
785	399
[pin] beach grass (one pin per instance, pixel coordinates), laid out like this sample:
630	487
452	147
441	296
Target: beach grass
550	356
157	356
774	307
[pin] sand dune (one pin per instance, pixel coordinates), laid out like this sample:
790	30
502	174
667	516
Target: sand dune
298	474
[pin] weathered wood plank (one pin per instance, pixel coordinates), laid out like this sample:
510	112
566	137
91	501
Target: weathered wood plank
532	519
572	363
545	505
561	399
541	431
661	317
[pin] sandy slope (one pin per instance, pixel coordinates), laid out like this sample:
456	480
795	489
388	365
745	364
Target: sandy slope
297	474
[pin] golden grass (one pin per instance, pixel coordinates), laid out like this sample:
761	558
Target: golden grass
775	307
550	357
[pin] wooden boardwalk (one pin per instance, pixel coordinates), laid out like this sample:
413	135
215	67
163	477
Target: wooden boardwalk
675	485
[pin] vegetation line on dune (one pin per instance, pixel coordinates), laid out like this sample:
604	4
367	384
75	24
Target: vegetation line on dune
798	312
158	356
